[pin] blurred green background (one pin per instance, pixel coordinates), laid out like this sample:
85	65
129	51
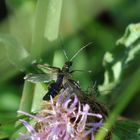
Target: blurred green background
32	30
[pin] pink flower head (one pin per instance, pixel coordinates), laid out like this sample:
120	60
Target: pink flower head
65	119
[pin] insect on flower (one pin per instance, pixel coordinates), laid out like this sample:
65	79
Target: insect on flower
64	81
65	119
62	77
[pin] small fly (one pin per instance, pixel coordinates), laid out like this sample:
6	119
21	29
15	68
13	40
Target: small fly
62	77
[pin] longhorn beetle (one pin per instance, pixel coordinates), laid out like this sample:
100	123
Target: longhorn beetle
63	78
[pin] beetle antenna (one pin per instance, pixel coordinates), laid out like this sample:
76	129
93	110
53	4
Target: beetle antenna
64	52
80	50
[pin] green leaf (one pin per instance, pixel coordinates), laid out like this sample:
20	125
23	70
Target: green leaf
46	25
16	53
127	130
53	19
37	99
132	34
127	94
39	28
27	97
131	40
32	95
115	62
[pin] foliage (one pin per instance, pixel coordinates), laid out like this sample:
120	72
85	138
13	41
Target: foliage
32	33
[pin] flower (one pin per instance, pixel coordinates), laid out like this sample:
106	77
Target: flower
64	119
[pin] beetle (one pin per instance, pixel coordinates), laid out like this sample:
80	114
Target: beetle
61	76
